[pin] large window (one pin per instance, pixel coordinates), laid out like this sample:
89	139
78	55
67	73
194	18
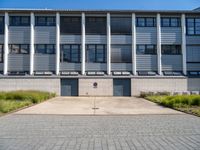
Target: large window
147	49
45	48
96	25
19	21
170	22
121	53
171	49
121	25
1	25
145	21
96	53
70	25
45	21
19	48
1	53
70	53
193	26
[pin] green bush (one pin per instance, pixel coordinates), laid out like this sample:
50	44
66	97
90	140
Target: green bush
13	100
186	103
181	100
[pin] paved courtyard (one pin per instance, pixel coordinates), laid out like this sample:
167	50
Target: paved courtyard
97	106
62	132
25	130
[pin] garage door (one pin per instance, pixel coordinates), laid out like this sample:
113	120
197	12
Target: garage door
69	87
121	87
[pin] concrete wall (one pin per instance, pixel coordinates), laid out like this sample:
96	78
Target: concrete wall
50	85
193	84
157	85
104	88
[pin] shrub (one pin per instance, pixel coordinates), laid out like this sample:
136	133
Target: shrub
10	101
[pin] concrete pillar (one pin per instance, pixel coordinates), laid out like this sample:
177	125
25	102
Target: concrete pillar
183	27
159	54
134	69
108	45
5	71
83	45
57	43
32	49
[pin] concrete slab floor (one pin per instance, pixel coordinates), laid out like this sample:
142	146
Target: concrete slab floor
97	106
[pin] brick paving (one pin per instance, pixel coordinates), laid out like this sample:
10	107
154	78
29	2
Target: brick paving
126	132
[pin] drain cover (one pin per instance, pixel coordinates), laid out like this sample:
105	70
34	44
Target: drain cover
95	108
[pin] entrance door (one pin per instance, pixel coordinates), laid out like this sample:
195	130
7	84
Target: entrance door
69	87
121	87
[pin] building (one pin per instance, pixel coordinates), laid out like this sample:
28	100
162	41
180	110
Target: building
99	52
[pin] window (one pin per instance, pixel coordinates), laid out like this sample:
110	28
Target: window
121	53
70	25
170	22
96	53
1	53
146	49
45	21
45	48
19	49
193	26
19	21
171	49
121	25
96	25
70	53
146	22
1	25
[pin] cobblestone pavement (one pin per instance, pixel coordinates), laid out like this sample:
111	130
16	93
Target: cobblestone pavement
64	132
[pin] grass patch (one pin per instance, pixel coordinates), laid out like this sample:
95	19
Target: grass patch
10	101
186	103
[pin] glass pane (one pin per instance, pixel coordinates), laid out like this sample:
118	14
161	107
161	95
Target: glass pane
174	22
1	25
24	49
100	55
190	26
150	49
15	49
197	26
91	53
40	48
41	21
165	22
140	49
149	22
140	22
66	55
25	21
66	46
1	53
74	55
15	20
50	49
51	21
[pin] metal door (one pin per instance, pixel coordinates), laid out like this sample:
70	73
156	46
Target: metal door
69	87
121	87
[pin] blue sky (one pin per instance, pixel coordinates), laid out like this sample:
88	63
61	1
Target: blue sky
102	4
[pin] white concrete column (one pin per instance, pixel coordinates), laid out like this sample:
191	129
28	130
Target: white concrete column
183	45
159	54
5	71
83	45
57	43
32	49
108	45
134	69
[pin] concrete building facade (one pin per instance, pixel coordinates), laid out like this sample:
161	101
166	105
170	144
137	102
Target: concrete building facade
99	53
